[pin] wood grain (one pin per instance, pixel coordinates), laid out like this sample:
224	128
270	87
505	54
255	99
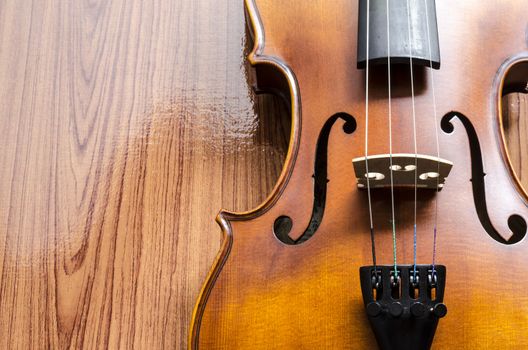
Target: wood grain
126	126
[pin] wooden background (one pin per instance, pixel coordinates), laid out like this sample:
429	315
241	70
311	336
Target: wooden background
126	126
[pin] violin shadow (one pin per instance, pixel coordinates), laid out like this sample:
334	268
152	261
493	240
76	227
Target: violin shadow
400	80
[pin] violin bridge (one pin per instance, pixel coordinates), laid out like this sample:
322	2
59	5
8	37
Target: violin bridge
431	172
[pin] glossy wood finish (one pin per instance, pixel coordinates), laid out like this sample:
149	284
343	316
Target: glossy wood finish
125	126
261	292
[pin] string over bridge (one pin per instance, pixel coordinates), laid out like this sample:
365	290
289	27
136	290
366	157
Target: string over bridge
431	171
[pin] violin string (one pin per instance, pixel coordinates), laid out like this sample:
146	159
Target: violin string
391	168
435	115
372	238
415	236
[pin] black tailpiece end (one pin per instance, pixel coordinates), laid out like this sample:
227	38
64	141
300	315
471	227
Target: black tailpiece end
404	307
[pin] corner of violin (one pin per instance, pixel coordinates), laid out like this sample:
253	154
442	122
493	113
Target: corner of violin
257	57
255	27
220	259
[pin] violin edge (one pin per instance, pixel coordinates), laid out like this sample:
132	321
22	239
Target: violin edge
207	286
255	58
499	86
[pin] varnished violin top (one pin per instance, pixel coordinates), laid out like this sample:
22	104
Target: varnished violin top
396	167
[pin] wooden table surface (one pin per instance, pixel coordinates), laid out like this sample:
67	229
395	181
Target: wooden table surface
126	126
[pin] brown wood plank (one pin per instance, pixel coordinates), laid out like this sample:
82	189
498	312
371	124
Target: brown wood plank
126	126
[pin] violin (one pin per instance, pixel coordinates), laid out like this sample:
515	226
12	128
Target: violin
397	221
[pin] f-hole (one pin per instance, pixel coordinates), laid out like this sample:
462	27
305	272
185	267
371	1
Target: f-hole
515	222
283	224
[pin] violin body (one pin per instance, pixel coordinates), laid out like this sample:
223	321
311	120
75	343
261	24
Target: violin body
262	293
